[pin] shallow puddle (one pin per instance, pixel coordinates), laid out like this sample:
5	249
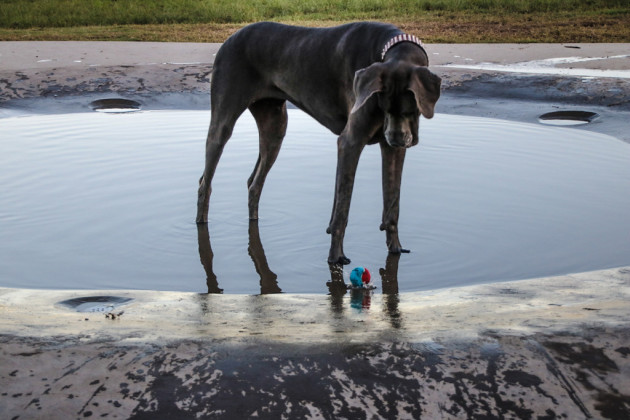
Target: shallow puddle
108	201
95	303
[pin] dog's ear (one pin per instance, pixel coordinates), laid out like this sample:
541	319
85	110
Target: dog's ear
426	88
367	82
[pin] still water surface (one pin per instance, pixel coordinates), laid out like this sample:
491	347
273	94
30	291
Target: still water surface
107	201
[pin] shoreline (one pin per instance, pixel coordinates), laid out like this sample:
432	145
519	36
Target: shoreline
522	349
486	80
541	305
553	347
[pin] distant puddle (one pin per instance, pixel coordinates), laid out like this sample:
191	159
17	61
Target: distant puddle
95	303
115	105
567	118
107	201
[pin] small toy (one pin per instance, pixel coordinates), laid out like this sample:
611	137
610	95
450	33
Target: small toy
360	277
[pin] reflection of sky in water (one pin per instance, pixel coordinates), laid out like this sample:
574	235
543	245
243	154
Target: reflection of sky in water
103	201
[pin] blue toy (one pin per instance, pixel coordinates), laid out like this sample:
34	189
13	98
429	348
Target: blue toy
360	277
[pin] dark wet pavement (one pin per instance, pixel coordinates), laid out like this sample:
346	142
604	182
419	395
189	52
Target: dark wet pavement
492	376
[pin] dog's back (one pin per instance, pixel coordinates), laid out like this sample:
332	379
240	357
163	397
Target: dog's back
313	68
269	44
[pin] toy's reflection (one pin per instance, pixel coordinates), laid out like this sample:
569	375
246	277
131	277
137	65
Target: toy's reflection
359	299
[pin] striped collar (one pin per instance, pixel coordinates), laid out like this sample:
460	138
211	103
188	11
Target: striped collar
397	40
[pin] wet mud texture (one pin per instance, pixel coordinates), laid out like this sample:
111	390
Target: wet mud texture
607	92
154	79
123	80
502	377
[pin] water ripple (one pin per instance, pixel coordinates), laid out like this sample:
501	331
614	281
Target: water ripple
107	201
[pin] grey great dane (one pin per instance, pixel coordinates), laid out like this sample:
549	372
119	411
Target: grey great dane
366	82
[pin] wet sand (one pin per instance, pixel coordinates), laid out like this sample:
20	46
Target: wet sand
542	348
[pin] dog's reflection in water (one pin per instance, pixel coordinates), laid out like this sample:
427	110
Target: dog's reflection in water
206	255
359	299
268	279
389	277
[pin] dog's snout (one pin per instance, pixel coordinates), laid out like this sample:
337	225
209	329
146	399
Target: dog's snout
398	131
398	138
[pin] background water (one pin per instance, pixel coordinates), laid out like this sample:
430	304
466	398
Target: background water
108	201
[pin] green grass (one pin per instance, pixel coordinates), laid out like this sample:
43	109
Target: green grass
213	20
69	13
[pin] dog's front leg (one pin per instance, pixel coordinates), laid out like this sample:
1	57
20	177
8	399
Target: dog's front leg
393	159
348	153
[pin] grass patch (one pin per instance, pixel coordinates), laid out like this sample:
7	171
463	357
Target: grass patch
215	20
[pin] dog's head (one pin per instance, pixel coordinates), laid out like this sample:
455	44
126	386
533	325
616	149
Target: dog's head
404	91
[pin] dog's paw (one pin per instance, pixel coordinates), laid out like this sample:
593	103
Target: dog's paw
397	251
343	260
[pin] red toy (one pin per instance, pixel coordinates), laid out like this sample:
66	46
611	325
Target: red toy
360	277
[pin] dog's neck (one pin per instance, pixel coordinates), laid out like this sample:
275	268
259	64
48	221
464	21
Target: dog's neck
399	39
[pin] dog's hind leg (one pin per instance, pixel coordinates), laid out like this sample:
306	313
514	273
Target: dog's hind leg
393	160
222	122
271	118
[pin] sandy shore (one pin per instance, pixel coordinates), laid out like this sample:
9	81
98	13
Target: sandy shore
542	348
